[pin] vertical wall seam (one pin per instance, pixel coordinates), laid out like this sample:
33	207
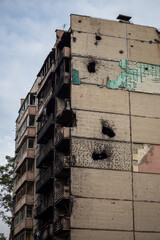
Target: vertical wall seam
130	120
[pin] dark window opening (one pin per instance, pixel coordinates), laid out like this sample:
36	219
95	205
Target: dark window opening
66	65
74	39
91	67
99	156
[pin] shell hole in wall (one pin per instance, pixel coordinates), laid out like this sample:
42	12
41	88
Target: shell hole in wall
91	67
98	38
99	156
108	131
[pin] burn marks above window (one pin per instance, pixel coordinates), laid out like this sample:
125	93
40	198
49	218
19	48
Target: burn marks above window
91	67
107	129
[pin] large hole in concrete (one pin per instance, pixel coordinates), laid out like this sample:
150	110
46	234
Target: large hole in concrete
91	67
99	156
107	130
98	38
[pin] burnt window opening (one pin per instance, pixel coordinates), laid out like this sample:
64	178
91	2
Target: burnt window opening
146	68
99	156
91	67
98	38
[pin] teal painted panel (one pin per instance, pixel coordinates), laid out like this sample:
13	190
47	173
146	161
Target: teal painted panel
132	74
75	77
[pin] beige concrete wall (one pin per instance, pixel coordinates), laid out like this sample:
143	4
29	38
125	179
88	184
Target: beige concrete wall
140	32
147	216
104	70
144	52
89	125
97	25
78	234
101	214
94	98
119	154
146	105
101	183
145	130
107	47
146	187
147	236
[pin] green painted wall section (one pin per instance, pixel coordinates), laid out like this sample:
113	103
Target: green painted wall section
133	74
75	77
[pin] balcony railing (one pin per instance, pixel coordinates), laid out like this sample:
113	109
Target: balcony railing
61	194
43	207
61	225
62	139
43	103
45	155
47	232
62	88
45	181
65	53
62	165
45	129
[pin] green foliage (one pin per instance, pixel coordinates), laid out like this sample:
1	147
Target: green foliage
2	237
6	189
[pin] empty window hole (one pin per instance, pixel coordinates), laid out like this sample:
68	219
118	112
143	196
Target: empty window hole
79	21
91	67
108	131
131	45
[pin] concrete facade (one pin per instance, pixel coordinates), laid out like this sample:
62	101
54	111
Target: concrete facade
98	134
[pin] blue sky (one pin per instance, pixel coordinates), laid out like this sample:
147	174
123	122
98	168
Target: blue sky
27	34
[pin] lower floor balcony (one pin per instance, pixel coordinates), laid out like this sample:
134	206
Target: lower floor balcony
45	208
45	181
62	166
47	232
27	199
62	195
27	223
62	139
46	155
61	225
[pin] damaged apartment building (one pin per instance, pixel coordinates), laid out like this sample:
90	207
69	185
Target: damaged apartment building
87	159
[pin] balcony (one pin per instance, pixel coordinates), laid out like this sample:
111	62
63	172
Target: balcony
47	232
46	155
62	139
46	130
27	176
27	223
30	153
44	209
62	88
61	195
44	102
61	225
65	116
65	53
31	110
62	166
45	181
27	199
29	132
